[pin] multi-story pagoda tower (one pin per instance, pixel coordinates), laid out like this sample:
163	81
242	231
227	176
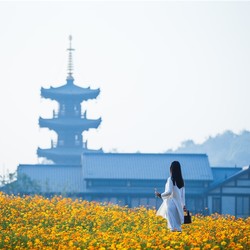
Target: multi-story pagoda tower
68	122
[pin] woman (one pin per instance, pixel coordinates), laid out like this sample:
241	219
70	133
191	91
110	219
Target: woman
173	203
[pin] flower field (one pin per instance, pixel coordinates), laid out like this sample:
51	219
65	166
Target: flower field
62	223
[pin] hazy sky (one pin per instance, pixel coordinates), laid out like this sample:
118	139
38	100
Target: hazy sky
168	72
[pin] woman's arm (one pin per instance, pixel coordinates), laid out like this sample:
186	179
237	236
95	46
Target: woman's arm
168	188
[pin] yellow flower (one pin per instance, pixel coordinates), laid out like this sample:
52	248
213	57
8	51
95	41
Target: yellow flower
71	243
223	243
37	241
215	247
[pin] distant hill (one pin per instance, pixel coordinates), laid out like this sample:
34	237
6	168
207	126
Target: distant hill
226	149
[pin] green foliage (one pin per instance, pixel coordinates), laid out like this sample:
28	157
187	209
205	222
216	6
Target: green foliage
10	184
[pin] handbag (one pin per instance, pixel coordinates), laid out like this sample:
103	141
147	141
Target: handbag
187	218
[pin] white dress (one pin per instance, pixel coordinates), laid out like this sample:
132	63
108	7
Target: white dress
172	205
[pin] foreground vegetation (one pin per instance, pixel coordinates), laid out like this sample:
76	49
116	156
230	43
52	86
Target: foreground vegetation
62	223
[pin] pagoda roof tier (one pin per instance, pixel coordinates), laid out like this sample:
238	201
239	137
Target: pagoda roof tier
65	155
69	91
65	152
69	123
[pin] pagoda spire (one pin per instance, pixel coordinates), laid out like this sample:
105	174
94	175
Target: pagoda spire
70	60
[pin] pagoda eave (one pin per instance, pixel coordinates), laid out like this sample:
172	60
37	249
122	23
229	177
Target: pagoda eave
65	152
80	124
59	158
76	94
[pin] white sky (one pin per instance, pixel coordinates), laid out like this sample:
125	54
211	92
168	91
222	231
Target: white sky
168	71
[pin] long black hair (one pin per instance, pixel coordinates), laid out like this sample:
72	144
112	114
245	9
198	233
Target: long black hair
175	170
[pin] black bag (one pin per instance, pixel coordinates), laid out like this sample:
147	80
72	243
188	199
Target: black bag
187	217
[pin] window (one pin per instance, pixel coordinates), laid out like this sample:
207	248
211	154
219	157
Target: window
195	204
63	109
144	201
152	202
243	206
216	205
113	200
135	202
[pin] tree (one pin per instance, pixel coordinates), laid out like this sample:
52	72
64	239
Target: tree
18	184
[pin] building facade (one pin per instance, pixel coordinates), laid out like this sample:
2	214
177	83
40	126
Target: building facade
231	195
130	179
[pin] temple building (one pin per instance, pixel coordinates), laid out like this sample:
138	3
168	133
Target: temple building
68	122
126	179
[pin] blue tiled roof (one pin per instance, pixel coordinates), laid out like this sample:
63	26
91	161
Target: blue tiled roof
237	174
55	178
144	166
222	173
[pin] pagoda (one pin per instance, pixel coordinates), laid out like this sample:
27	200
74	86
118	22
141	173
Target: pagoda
68	121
